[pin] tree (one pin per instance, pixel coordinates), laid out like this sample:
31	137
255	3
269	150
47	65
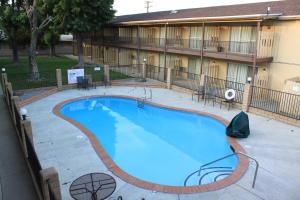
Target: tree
81	17
14	23
51	38
32	11
2	35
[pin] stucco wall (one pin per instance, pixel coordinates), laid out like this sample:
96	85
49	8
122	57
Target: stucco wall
286	53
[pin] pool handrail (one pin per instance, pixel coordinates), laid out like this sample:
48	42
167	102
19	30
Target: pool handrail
230	155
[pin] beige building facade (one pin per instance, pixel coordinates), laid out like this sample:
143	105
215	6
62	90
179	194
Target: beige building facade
260	40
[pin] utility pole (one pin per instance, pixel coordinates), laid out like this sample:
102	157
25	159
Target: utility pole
148	5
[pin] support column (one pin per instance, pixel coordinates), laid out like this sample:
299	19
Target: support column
255	52
169	78
103	54
247	97
26	129
165	49
144	71
3	80
8	88
118	57
202	80
106	73
202	47
138	45
92	49
59	79
15	101
49	177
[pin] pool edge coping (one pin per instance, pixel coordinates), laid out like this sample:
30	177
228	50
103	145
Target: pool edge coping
236	175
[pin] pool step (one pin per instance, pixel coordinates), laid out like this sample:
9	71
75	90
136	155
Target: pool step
207	175
140	103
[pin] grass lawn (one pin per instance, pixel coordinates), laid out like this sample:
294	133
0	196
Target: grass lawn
19	74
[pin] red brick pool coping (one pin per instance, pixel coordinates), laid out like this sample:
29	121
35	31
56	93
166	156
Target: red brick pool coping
234	177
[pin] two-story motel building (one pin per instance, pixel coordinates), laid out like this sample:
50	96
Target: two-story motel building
234	42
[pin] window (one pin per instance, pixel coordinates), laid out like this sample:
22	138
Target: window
237	72
195	36
242	39
210	68
194	66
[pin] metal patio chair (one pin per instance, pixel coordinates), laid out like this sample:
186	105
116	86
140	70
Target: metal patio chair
80	82
210	94
90	83
197	90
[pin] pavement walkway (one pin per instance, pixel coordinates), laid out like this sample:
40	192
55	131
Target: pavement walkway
274	144
15	180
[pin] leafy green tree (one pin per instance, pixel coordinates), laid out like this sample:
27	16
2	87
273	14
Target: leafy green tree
51	38
39	16
2	35
81	17
14	23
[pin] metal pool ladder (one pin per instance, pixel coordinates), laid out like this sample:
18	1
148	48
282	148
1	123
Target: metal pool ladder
141	101
222	158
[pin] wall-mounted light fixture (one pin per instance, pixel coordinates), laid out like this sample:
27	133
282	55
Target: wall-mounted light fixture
23	113
3	70
268	10
249	79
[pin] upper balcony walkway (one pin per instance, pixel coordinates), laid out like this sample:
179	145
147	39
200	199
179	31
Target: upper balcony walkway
224	50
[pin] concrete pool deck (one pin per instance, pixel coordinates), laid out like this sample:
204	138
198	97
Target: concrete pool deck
274	144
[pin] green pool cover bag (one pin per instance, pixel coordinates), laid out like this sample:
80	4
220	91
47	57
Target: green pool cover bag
239	126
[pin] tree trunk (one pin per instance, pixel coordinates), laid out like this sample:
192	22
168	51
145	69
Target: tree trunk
52	50
32	50
15	49
15	52
80	50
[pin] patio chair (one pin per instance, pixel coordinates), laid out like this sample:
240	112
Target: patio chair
105	81
80	81
197	90
210	94
229	97
90	83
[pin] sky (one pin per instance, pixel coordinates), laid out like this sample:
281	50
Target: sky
124	7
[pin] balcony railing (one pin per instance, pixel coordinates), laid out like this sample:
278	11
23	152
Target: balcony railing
230	47
120	40
246	48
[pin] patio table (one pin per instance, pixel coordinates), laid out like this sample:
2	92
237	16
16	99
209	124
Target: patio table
93	186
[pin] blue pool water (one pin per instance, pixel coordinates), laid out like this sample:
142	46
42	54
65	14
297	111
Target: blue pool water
154	144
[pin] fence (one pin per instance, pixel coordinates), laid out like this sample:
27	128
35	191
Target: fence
24	133
185	79
51	193
281	103
22	81
125	71
156	73
220	86
33	160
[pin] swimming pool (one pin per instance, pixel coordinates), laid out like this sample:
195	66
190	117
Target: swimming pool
154	144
